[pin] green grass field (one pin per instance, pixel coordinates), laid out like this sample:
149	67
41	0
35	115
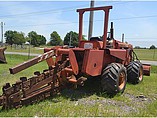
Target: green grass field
35	50
146	54
137	100
143	54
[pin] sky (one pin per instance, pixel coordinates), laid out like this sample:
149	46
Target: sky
136	19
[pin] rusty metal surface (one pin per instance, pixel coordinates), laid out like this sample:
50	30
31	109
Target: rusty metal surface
104	8
31	62
73	62
2	55
26	91
146	69
93	62
119	53
106	16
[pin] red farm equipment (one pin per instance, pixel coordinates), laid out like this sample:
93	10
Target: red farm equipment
2	55
113	61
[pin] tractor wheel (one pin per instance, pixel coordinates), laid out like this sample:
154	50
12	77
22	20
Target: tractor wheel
135	72
114	78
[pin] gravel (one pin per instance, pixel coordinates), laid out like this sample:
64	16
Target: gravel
129	104
120	107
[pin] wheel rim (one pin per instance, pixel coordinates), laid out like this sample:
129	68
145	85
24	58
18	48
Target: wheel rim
122	80
141	74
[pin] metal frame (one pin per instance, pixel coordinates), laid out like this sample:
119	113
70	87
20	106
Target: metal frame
106	12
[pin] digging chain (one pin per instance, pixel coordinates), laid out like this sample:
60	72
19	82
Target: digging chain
27	91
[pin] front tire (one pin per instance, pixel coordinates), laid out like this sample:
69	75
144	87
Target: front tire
114	78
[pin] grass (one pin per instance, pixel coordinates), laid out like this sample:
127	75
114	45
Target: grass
143	54
35	50
146	54
85	101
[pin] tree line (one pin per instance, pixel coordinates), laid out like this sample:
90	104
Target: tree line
19	38
151	47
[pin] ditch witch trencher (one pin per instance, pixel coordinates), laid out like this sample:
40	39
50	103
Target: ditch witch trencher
113	61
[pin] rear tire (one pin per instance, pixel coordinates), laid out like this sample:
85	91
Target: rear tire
114	78
135	72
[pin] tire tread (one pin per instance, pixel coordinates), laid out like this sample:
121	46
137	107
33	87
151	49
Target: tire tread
110	76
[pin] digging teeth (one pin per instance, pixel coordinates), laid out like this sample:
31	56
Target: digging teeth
23	79
37	73
27	91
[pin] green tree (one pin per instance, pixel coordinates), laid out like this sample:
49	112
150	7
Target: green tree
19	38
33	38
9	37
73	36
137	47
36	39
152	47
42	40
14	37
55	39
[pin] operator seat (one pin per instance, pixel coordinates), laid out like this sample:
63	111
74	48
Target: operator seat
109	42
95	39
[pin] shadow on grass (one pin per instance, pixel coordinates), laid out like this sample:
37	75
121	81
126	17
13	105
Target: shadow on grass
91	87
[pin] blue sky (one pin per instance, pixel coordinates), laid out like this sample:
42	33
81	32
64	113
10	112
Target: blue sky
136	19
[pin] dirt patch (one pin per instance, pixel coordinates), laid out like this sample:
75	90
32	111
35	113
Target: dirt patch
131	104
106	102
138	101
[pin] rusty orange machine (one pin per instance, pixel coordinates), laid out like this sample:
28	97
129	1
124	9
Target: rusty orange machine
2	55
113	61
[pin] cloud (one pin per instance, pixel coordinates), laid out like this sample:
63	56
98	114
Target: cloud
58	20
36	22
